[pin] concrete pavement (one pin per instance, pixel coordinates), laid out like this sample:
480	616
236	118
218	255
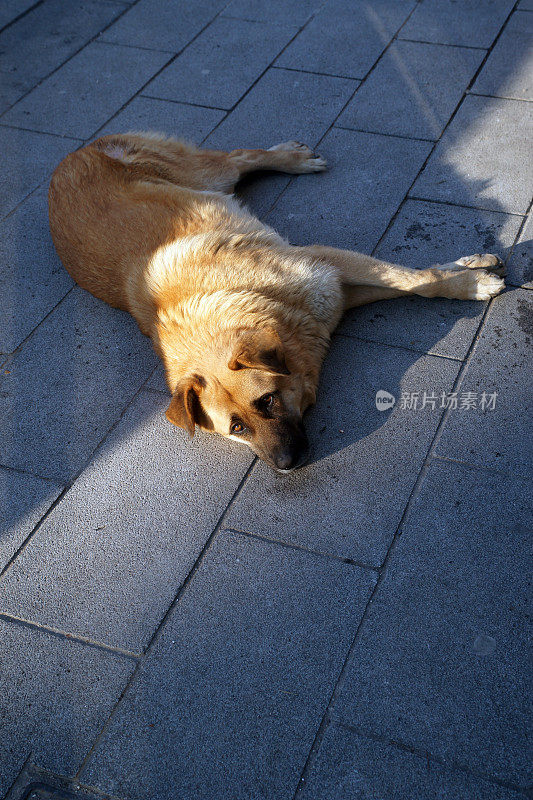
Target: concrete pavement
178	622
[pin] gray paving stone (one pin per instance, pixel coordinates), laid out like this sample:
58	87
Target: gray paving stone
11	9
55	696
405	94
442	659
520	271
43	39
346	38
23	501
175	119
216	69
63	390
509	67
250	655
482	159
352	767
78	98
367	179
421	235
32	279
27	160
276	11
163	26
110	558
349	499
282	106
501	363
472	23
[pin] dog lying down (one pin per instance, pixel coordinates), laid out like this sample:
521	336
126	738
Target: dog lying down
241	318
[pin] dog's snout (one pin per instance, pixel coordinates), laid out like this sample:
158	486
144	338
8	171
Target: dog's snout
293	453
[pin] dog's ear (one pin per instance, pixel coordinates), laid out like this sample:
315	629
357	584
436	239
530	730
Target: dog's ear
259	349
184	408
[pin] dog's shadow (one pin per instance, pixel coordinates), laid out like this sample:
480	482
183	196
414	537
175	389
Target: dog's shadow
411	348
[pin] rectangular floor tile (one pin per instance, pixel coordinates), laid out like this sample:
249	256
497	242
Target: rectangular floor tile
110	558
168	25
219	67
78	98
44	38
442	659
23	501
501	362
68	384
520	270
55	696
421	235
350	766
174	119
405	94
346	38
483	159
237	683
32	279
28	158
275	11
355	199
509	68
282	106
472	23
349	499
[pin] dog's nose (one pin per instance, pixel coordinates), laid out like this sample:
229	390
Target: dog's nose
288	460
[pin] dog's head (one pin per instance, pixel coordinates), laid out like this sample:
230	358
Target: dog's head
247	392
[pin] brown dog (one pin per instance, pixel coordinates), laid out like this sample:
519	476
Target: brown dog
241	319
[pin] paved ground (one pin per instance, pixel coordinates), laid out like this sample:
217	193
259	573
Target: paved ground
177	622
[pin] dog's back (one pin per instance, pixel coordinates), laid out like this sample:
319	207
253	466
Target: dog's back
106	216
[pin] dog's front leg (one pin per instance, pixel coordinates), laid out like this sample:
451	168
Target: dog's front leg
366	279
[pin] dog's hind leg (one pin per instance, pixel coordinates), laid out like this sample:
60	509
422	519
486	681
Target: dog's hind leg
293	157
154	156
366	279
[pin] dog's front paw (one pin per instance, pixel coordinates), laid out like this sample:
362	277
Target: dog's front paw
486	261
483	284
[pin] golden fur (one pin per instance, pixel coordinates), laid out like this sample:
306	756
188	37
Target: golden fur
240	318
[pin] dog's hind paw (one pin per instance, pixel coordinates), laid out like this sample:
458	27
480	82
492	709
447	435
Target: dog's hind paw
296	146
301	158
314	163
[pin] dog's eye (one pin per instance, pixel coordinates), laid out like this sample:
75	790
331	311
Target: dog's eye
237	427
267	400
